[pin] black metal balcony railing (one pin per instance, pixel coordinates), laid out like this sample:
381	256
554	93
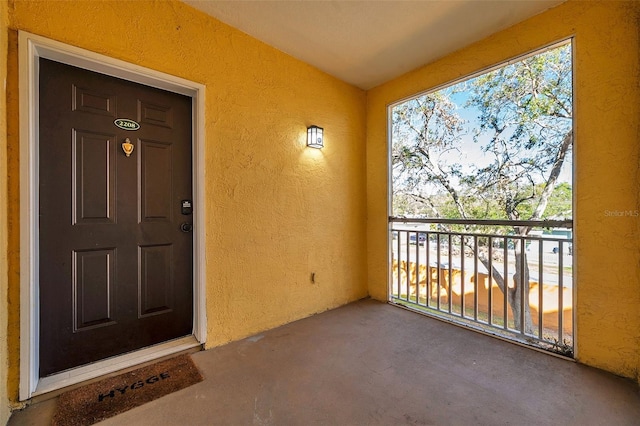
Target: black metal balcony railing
473	272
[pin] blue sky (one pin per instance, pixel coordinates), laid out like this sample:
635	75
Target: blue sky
472	154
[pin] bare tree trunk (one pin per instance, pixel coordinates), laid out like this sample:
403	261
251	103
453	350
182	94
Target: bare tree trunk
518	296
552	180
518	302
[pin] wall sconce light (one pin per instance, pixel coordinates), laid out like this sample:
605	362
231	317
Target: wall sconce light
314	137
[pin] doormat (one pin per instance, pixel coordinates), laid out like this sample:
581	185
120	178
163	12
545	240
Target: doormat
98	401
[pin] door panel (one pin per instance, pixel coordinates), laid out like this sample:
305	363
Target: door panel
156	170
115	267
159	115
93	102
94	271
156	279
93	166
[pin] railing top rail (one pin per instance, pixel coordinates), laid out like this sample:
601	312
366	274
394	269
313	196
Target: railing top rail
549	238
566	223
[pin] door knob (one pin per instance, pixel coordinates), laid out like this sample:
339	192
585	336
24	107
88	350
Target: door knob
186	227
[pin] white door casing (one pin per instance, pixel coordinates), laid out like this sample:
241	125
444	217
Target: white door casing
31	48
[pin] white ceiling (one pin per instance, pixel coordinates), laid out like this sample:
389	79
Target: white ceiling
368	42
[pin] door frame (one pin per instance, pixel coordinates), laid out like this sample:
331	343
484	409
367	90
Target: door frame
31	47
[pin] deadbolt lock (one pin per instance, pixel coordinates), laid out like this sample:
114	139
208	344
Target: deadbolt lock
186	227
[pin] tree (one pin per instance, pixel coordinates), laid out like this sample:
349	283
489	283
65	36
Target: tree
524	134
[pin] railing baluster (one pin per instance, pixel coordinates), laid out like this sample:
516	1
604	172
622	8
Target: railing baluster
475	278
391	258
560	292
462	290
418	268
540	289
573	297
522	287
399	263
450	264
428	268
490	284
438	270
505	279
408	267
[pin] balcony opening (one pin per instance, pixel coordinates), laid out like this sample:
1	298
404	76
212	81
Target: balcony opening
481	225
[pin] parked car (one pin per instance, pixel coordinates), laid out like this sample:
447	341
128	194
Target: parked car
422	238
555	250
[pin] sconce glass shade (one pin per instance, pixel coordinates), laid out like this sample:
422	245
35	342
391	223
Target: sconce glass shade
314	137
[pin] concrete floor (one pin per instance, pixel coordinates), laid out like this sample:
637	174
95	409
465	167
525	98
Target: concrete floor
369	363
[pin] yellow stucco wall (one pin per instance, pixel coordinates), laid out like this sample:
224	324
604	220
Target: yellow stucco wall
275	210
606	158
4	400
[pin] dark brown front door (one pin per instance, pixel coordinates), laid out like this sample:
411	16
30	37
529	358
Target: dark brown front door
115	259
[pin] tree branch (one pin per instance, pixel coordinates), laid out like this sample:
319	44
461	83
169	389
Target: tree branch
552	180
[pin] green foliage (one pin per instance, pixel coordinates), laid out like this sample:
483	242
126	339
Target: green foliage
560	202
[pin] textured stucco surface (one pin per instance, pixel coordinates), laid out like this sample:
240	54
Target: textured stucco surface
276	211
607	108
4	400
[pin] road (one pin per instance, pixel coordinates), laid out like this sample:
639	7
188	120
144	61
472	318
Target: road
551	261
